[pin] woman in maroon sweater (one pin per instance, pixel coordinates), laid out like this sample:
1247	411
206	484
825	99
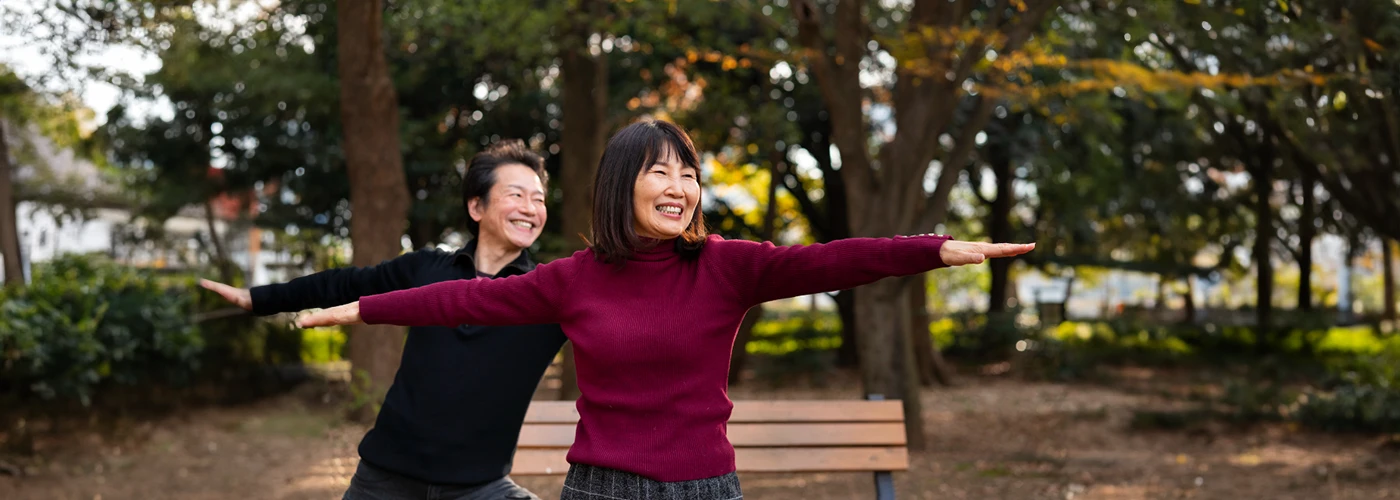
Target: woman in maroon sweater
652	307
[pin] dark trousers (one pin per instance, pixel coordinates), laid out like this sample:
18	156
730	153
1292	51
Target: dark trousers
586	482
374	483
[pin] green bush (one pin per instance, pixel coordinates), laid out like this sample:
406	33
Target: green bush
1321	376
85	322
321	345
1363	391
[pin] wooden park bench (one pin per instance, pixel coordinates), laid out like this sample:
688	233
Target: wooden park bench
768	436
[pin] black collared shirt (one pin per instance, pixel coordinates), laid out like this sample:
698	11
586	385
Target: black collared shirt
454	412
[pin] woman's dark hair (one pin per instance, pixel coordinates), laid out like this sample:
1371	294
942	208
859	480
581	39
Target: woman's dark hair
635	147
480	176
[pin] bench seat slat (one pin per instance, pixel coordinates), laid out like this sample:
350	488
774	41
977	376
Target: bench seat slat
536	462
752	435
564	412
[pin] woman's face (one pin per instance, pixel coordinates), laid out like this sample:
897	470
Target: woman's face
665	198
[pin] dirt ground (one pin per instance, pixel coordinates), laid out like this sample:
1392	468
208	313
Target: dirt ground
990	438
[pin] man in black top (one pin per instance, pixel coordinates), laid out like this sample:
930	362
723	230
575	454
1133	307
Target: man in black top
450	421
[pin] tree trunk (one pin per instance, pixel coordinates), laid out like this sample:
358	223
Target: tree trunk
999	225
848	356
585	95
1307	232
739	352
9	219
585	128
379	199
1263	235
222	262
887	363
932	367
1388	281
1161	303
423	233
838	224
1190	299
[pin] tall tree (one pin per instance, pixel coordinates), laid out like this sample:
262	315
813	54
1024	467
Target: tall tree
9	222
379	201
885	188
1388	282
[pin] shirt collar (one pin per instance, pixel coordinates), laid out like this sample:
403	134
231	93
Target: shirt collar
467	255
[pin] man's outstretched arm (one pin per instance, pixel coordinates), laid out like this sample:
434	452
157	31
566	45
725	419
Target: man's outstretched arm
327	288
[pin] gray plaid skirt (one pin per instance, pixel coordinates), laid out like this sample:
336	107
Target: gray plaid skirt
586	482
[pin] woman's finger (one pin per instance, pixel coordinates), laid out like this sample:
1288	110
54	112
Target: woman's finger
997	250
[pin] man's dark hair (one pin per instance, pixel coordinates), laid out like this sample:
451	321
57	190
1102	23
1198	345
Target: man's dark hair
481	172
632	149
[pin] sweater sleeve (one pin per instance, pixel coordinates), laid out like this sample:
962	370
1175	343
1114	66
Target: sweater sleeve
761	272
338	286
526	299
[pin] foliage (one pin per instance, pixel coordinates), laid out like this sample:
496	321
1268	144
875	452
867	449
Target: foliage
84	324
322	345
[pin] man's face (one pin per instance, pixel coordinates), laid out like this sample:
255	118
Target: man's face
515	212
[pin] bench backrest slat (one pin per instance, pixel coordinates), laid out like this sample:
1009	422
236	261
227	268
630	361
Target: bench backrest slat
768	436
534	462
752	435
564	412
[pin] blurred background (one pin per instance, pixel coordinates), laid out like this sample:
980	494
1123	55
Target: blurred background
1213	186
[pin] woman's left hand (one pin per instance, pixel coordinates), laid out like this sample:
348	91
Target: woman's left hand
961	253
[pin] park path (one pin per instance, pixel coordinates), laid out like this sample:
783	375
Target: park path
991	438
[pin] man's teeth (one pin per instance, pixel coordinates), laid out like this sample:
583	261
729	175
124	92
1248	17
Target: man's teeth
523	224
669	210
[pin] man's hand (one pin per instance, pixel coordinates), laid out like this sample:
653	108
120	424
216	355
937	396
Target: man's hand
348	314
237	296
961	253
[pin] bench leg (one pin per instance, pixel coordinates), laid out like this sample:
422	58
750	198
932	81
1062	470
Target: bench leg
884	480
884	486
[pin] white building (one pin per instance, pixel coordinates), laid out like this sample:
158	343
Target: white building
49	227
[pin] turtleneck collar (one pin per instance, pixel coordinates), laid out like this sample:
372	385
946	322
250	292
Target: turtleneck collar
655	250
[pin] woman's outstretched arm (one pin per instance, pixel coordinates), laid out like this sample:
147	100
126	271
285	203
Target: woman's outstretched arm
762	272
531	298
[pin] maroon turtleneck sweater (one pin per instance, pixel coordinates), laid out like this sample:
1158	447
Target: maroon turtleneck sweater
653	336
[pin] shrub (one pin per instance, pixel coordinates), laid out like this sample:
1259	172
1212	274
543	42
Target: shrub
85	322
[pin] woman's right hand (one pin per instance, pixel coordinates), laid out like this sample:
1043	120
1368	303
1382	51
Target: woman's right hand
240	297
961	253
348	314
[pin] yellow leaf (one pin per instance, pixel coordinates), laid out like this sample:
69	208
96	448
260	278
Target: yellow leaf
1238	11
1283	5
1193	2
1340	101
1371	44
